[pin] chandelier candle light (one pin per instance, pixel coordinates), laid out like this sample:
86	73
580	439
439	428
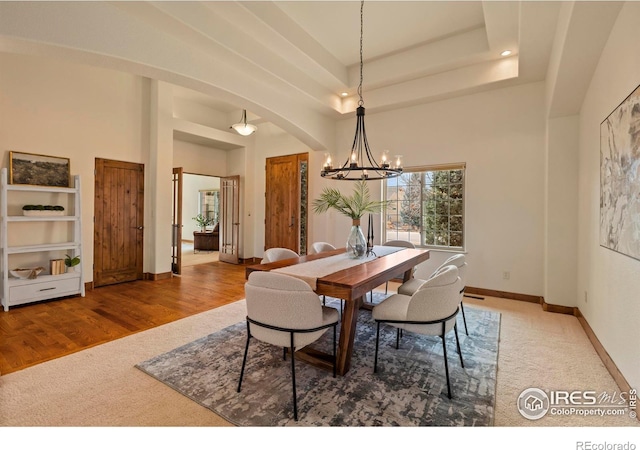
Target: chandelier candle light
361	165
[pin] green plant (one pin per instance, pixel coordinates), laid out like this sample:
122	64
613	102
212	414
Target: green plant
353	206
43	208
203	221
71	261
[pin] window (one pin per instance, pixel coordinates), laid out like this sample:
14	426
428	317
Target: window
427	207
209	205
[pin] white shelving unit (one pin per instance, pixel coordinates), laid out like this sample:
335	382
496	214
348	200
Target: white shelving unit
46	286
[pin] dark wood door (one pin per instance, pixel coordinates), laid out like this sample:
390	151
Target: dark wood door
286	202
119	222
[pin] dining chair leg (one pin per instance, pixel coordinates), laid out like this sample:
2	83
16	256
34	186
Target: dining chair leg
455	329
446	364
464	319
293	380
375	360
335	358
244	359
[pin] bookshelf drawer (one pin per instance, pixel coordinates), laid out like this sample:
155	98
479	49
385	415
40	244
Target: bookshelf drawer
40	291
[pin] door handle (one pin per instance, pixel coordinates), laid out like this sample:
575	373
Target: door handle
138	228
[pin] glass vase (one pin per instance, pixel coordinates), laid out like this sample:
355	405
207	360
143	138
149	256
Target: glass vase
356	244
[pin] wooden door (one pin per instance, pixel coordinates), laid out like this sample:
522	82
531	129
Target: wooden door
176	222
119	222
230	219
286	202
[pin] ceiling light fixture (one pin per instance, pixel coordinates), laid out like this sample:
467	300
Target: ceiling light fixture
243	128
361	165
506	53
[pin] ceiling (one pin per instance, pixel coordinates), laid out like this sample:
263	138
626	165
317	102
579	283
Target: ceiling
288	62
414	51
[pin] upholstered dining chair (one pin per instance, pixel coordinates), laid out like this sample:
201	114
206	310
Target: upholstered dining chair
285	312
277	254
458	260
319	247
394	243
431	310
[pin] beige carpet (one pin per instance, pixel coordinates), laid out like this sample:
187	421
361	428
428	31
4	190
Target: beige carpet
191	258
101	387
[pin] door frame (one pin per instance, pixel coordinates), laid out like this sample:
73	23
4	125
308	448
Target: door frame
176	221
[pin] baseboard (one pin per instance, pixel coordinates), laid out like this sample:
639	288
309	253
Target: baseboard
157	276
502	294
557	308
617	376
252	260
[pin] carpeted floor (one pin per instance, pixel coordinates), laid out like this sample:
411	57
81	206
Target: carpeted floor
191	258
409	388
100	387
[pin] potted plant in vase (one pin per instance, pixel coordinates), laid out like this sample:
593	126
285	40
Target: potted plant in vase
353	206
71	262
203	222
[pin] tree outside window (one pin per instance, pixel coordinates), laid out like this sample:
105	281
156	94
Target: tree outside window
427	207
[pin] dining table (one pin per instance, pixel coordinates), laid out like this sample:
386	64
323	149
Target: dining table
332	274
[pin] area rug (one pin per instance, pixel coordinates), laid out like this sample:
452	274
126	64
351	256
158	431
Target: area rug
409	389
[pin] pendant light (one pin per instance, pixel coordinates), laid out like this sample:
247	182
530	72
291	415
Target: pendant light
361	165
242	127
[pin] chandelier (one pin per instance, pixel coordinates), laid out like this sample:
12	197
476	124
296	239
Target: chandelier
243	128
361	165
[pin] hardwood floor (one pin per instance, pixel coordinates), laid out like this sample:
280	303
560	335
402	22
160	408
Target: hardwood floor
32	334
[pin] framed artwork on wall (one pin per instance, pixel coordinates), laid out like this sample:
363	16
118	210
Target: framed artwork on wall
620	178
38	170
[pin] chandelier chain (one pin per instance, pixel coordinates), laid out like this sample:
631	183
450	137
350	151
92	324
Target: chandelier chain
361	101
361	164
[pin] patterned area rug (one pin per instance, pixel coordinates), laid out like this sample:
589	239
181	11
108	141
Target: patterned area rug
409	388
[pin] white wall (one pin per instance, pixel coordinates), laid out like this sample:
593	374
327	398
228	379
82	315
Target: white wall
500	136
561	211
79	112
610	279
198	159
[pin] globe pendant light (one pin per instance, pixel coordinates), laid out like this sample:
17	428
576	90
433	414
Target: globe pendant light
361	165
242	127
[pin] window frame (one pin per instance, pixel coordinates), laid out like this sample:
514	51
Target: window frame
421	169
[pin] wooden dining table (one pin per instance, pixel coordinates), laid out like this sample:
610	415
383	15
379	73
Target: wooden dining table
351	285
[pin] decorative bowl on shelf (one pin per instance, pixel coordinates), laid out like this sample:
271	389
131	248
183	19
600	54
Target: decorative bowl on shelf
29	273
43	210
42	213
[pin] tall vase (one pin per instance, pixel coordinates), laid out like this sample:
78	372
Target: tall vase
356	244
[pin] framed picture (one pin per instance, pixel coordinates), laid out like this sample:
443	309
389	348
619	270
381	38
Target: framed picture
39	170
619	178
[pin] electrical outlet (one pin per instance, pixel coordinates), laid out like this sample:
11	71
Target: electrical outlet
506	275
